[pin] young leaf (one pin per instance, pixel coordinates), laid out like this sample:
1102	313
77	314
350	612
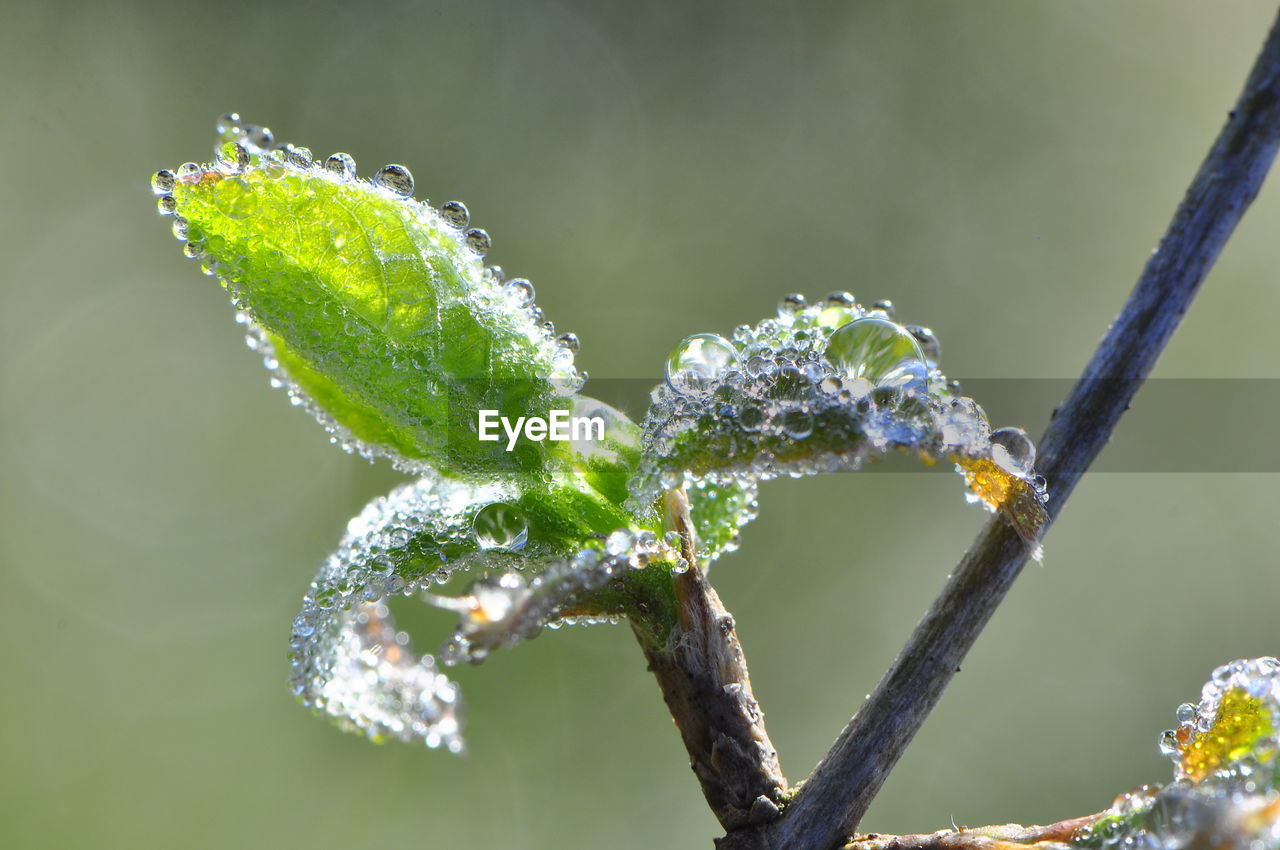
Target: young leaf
825	388
349	661
1226	791
375	307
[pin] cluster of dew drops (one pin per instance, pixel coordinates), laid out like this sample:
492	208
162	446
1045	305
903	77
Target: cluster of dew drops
238	142
769	389
1230	800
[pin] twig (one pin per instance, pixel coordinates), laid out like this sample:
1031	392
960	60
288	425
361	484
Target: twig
1007	837
832	801
704	680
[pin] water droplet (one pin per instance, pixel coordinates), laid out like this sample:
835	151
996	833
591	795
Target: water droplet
879	352
697	360
163	181
929	345
569	341
500	526
341	165
232	158
520	291
885	307
840	299
1187	712
619	543
1013	451
190	172
1168	742
191	251
298	157
166	205
455	212
179	228
478	241
227	124
396	179
797	424
258	137
791	304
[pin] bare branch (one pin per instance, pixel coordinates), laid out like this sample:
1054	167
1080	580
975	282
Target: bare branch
1007	837
832	801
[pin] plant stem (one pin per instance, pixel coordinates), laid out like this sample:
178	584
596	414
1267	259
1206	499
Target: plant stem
703	675
828	807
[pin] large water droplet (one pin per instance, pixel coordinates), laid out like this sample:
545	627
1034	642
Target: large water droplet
162	182
791	304
1013	451
341	165
227	124
478	241
232	158
190	172
500	526
879	352
455	212
396	179
520	291
797	424
258	137
697	360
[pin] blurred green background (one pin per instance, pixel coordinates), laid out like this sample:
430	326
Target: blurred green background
999	170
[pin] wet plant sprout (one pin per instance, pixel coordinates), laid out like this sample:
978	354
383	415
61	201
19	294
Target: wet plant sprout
377	313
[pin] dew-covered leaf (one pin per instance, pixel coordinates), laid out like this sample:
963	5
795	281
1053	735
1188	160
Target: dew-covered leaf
1226	790
540	557
376	310
823	388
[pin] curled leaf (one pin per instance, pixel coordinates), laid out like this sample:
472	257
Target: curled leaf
540	562
823	388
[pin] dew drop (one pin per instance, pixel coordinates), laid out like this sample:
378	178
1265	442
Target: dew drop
1013	451
166	205
396	179
190	172
228	124
569	341
885	307
840	299
519	291
455	212
341	165
232	158
697	360
879	352
797	424
191	251
929	344
298	157
1169	742
258	137
180	228
478	241
500	526
163	181
791	304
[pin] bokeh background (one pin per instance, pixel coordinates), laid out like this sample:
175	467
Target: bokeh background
999	170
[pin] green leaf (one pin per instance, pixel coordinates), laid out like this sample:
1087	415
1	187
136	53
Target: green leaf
823	388
376	308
